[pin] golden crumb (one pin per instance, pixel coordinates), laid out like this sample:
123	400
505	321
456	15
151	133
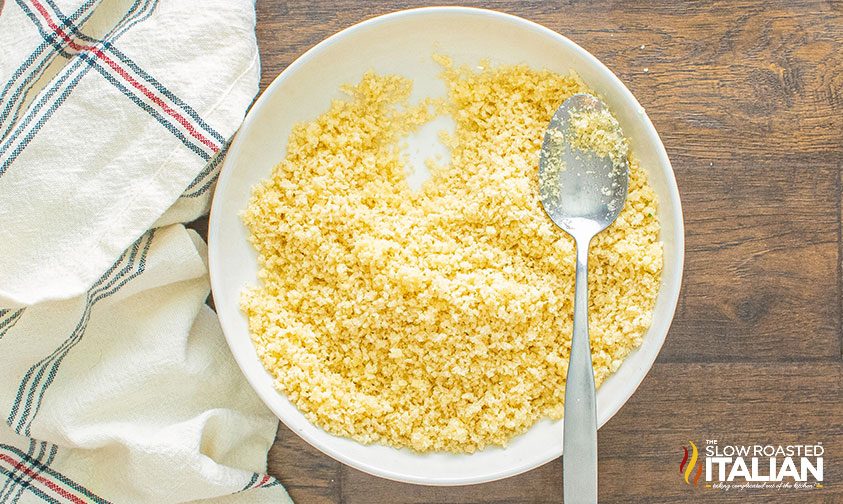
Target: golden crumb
598	131
437	319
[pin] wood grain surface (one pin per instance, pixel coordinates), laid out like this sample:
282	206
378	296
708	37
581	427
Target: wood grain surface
748	99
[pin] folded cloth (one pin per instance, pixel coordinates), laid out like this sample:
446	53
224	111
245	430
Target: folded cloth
115	381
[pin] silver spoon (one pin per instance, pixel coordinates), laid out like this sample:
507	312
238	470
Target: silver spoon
583	193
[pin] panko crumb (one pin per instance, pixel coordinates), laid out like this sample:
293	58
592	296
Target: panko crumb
437	319
598	131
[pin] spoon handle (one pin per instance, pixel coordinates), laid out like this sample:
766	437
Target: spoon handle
579	456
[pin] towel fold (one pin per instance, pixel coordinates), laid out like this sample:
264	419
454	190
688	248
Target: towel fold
115	381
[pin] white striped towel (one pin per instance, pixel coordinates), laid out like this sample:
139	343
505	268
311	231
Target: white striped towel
115	381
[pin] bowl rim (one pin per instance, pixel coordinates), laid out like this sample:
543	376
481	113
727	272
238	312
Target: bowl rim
226	173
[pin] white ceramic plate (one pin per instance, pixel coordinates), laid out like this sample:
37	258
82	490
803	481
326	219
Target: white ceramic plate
403	43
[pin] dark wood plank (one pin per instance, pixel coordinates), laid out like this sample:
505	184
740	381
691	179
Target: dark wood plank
775	403
543	484
761	259
308	475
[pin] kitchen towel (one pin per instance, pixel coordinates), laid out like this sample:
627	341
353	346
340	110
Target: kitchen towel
115	381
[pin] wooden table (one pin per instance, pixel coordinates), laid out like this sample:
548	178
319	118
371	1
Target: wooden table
748	99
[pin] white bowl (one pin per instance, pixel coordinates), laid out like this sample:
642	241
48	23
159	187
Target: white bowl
403	43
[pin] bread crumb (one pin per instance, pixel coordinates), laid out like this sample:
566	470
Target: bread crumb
597	131
437	319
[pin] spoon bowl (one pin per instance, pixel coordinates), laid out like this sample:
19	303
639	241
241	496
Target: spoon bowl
581	191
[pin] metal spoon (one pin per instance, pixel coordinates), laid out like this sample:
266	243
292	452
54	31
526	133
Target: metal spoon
583	194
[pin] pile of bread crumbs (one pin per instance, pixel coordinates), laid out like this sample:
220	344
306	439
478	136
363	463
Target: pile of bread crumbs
437	319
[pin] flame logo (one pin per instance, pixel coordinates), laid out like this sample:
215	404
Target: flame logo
686	467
